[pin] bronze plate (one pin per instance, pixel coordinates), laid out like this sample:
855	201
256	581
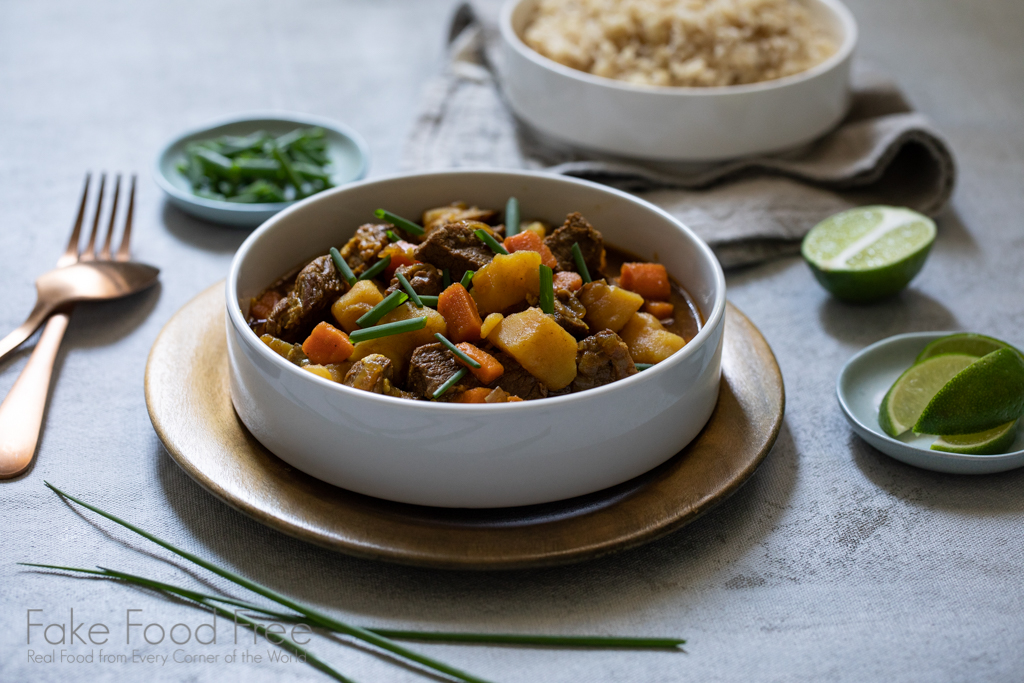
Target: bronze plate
188	400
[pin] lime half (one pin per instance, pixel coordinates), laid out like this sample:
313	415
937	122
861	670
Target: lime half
965	342
990	442
985	395
870	252
915	388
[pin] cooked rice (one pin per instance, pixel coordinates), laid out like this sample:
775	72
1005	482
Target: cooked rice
694	43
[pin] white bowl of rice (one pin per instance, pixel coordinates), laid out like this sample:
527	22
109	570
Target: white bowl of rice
678	80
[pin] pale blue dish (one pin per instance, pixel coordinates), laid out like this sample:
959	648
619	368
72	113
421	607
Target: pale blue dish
347	150
863	382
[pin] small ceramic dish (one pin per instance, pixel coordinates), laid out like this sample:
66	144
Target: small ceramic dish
675	123
474	455
863	383
347	150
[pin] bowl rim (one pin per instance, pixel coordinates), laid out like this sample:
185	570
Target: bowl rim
713	320
846	20
262	115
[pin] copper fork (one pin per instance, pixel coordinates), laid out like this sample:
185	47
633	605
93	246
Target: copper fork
21	413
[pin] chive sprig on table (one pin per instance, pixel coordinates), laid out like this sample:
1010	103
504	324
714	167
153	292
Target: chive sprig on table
512	217
547	290
581	265
457	351
409	290
398	221
388	329
489	240
450	382
376	269
342	267
388	304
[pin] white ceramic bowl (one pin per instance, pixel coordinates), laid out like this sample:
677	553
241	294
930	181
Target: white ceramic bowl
676	124
453	455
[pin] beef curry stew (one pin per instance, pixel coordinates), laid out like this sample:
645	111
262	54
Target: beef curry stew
465	310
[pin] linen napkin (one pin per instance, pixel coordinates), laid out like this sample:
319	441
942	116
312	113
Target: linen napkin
749	210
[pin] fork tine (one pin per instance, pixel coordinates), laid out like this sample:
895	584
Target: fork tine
105	252
124	251
89	253
71	253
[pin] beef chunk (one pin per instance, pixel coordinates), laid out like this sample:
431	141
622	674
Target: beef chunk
577	229
361	251
602	359
431	366
455	247
569	313
517	380
316	287
424	278
453	213
374	373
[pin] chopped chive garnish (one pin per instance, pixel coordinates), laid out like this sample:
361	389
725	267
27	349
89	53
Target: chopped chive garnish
581	265
457	351
512	217
467	278
378	268
489	240
390	303
342	267
388	329
429	300
446	278
452	381
547	290
643	366
399	222
391	235
409	290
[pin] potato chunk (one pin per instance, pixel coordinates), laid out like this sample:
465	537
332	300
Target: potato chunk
540	345
398	347
608	307
648	340
354	303
506	281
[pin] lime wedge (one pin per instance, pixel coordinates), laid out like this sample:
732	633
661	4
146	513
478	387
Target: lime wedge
870	252
915	388
989	442
966	342
988	393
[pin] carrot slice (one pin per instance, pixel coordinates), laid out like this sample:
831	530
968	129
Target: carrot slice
567	280
460	313
649	280
474	395
327	344
659	309
490	369
262	307
402	253
528	240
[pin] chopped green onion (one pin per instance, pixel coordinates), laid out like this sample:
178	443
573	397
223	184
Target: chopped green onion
489	240
512	217
342	267
467	278
643	366
547	290
390	303
452	381
398	221
446	278
378	268
409	290
457	351
429	300
581	265
391	235
388	329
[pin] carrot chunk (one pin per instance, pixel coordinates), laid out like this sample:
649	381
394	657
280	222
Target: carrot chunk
262	307
659	309
528	240
490	369
326	344
477	395
402	253
649	280
567	280
460	313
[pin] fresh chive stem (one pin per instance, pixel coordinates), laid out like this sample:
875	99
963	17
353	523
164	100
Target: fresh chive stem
581	265
388	329
512	217
429	300
376	269
547	290
467	278
391	235
409	290
643	366
457	351
452	381
489	240
446	277
342	267
390	303
314	615
398	221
